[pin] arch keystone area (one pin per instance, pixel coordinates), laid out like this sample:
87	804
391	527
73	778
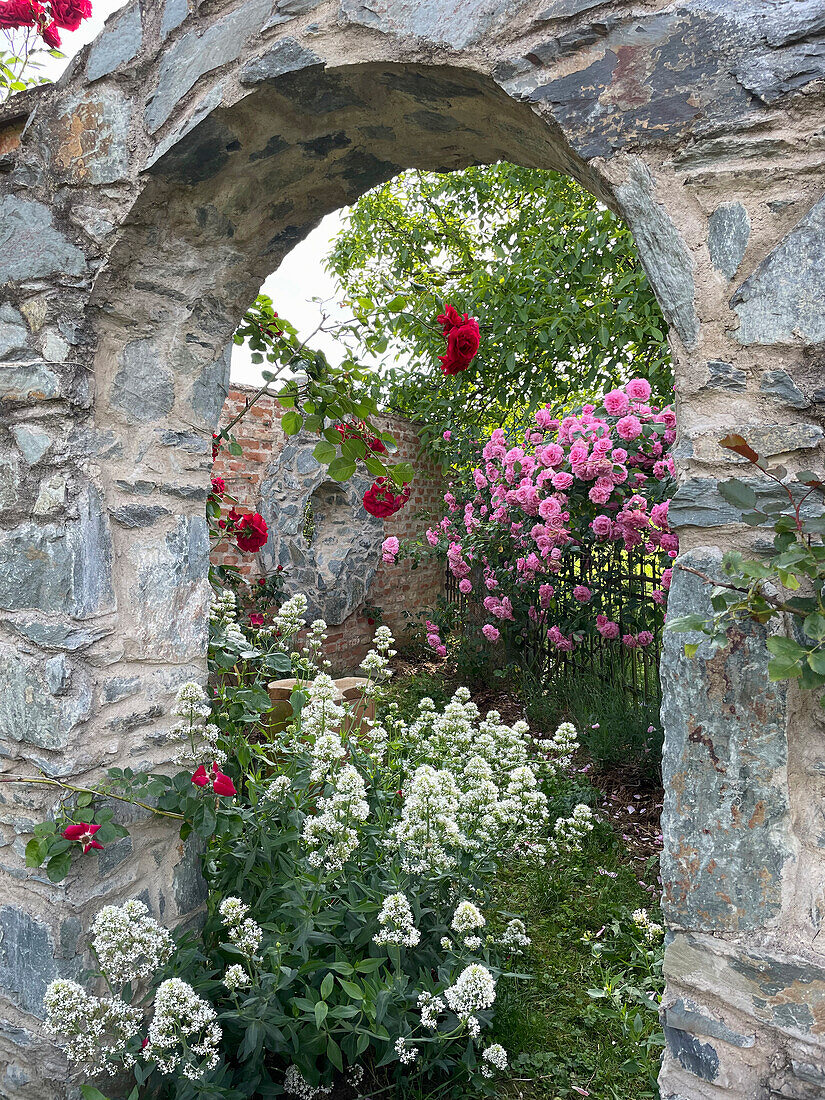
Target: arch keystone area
143	199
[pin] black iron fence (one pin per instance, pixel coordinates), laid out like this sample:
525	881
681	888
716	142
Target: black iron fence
624	581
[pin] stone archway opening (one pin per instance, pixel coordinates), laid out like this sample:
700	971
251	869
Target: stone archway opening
149	195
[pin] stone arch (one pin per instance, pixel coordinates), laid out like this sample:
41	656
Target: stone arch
142	201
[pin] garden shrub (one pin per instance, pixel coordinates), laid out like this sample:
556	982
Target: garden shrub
349	939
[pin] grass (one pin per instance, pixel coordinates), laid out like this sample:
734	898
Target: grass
560	1039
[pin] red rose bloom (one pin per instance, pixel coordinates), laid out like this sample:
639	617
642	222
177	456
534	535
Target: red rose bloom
84	834
462	346
218	486
451	319
251	533
71	13
256	619
381	501
20	13
220	783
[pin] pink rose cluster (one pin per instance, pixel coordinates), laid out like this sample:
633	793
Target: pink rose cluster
568	484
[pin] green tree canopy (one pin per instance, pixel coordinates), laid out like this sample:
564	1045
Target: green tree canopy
552	275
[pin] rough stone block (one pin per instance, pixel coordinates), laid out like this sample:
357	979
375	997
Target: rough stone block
174	13
36	707
779	384
726	816
119	42
286	56
28	382
34	442
724	376
729	229
781	302
457	23
284	11
13	333
698	1058
90	137
686	1015
31	247
26	959
144	387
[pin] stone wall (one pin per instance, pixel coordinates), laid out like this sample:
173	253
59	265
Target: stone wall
278	476
143	200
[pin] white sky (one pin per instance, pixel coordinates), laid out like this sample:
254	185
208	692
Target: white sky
298	280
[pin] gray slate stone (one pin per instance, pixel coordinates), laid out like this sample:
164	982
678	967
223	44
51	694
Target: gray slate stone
564	9
457	23
781	302
26	959
772	76
685	1015
58	635
13	332
286	56
118	43
33	442
138	515
36	707
193	55
143	387
700	1059
28	382
698	503
724	376
210	389
30	245
284	11
779	384
729	228
663	253
789	21
174	13
726	815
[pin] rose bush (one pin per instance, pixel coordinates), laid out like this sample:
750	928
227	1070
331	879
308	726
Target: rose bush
571	486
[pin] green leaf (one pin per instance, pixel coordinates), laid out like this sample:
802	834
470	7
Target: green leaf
341	469
784	668
321	1010
324	452
89	1092
786	648
327	986
292	422
59	866
36	851
691	648
817	661
814	626
739	494
334	1054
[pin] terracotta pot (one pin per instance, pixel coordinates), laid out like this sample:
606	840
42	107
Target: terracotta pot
350	690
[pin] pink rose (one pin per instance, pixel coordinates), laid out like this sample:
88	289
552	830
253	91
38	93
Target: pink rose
582	594
629	641
490	632
561	480
465	586
616	402
629	427
645	637
638	389
602	526
447	435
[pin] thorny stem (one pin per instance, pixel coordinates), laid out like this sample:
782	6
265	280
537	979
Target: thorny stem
43	781
778	604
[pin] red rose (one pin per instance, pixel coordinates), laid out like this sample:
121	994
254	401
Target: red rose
83	834
251	533
218	487
71	13
450	318
381	501
462	346
21	13
51	35
256	619
220	783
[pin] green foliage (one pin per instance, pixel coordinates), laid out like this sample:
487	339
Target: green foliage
784	584
552	276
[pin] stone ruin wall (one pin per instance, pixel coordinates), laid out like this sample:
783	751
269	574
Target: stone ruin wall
394	589
145	197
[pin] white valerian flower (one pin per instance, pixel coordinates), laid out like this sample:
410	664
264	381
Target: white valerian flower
235	977
651	929
245	933
382	640
183	1036
431	1007
128	943
374	665
466	919
473	991
406	1054
569	832
295	1084
446	943
561	747
473	1026
514	937
278	789
494	1057
93	1031
290	620
223	608
397	923
331	836
428	833
354	1076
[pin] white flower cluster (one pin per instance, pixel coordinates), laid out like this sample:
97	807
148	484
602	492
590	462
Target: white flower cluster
514	938
478	790
466	919
93	1031
291	618
128	943
494	1057
235	978
561	747
278	789
473	991
183	1035
376	663
569	832
223	607
428	828
200	740
295	1084
331	837
431	1008
245	933
653	931
406	1054
397	924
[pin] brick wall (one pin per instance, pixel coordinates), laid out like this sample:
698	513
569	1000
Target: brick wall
396	589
